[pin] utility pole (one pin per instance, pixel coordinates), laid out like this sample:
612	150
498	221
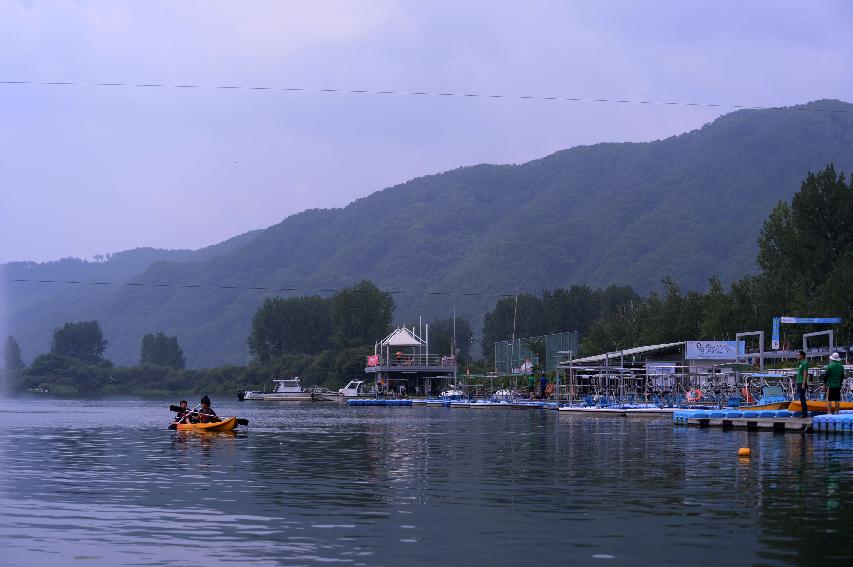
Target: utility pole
453	341
514	315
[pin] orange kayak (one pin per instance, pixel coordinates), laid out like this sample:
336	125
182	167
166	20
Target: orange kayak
818	405
227	424
772	406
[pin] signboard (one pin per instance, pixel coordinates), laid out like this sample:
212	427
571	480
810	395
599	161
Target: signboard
373	360
774	340
660	368
714	350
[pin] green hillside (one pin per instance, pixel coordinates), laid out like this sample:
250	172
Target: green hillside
45	301
689	206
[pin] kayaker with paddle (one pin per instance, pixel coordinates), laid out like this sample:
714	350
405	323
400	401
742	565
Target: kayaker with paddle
203	418
206	413
179	416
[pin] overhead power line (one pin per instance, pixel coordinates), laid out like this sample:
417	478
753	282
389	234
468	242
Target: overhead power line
258	288
418	93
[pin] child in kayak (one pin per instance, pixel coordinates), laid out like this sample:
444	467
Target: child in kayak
186	415
179	416
206	413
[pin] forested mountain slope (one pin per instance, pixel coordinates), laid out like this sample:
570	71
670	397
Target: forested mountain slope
689	206
44	301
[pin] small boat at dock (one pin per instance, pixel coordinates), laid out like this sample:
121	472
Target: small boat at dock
289	390
354	389
772	398
453	393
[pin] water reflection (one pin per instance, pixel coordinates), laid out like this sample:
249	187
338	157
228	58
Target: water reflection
384	486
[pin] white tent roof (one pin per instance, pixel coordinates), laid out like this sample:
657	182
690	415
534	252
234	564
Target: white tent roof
402	337
613	356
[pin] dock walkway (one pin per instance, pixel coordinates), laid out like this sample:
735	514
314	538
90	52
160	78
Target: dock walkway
782	420
763	420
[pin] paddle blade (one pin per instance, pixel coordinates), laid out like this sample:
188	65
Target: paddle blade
173	426
241	421
176	408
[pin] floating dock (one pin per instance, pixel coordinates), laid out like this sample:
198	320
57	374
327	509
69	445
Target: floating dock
766	420
378	402
592	410
616	410
620	410
770	420
837	423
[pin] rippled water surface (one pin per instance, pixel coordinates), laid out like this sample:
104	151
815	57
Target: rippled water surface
104	482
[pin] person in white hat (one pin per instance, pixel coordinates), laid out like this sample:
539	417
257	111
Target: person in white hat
834	372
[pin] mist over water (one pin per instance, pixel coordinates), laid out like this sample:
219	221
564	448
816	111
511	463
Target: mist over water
3	323
4	332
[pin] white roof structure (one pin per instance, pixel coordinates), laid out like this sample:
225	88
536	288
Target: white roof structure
402	337
615	355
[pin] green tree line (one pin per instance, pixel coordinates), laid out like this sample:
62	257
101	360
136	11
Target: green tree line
326	340
76	364
322	339
805	263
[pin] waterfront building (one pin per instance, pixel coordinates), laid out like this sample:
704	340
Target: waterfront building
403	358
677	368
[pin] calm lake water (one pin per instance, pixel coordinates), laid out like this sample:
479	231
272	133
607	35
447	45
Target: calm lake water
104	482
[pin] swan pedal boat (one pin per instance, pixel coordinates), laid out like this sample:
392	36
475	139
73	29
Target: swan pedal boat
225	424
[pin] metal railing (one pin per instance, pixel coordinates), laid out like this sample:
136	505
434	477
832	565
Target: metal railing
404	360
681	388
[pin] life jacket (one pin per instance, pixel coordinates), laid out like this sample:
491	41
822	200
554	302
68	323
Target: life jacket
206	415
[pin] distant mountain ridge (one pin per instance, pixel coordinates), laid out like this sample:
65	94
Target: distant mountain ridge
44	301
689	206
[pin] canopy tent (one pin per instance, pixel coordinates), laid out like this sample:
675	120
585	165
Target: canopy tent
402	337
616	355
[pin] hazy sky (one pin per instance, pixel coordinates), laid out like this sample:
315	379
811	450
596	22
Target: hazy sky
87	170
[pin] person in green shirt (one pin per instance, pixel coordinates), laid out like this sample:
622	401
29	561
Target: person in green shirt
531	385
834	372
803	383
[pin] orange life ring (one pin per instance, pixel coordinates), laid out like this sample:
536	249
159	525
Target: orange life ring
694	395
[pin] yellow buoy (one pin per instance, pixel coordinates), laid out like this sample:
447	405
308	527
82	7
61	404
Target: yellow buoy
743	452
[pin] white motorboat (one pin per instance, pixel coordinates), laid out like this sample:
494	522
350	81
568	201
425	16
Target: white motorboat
289	390
506	395
354	389
453	393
